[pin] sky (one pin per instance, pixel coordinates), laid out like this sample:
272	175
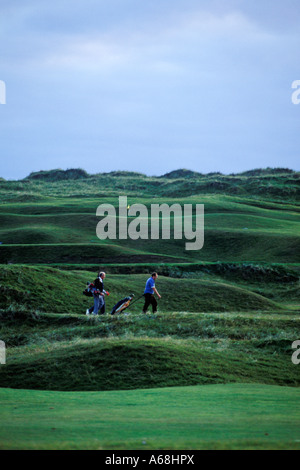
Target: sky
148	85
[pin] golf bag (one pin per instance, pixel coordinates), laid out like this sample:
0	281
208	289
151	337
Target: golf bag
122	304
90	289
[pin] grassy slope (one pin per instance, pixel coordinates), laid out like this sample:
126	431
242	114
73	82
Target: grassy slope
135	363
33	287
215	417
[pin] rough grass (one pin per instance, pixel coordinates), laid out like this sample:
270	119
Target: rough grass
267	183
20	328
60	352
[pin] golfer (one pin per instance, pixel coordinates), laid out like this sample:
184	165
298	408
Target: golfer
149	293
99	292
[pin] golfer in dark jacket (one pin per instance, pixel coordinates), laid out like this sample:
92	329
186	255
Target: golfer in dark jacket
99	302
149	293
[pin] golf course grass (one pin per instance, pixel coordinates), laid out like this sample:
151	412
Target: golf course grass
235	416
211	369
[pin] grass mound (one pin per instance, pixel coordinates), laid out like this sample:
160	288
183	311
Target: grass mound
58	175
119	364
104	365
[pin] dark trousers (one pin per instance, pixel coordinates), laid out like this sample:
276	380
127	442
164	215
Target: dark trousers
150	299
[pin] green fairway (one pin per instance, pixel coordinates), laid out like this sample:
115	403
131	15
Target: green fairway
202	417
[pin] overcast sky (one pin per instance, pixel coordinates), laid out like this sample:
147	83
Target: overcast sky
149	85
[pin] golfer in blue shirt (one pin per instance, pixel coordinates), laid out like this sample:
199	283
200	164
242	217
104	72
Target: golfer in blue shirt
149	293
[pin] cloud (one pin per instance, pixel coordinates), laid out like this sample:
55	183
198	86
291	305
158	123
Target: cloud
112	30
143	83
